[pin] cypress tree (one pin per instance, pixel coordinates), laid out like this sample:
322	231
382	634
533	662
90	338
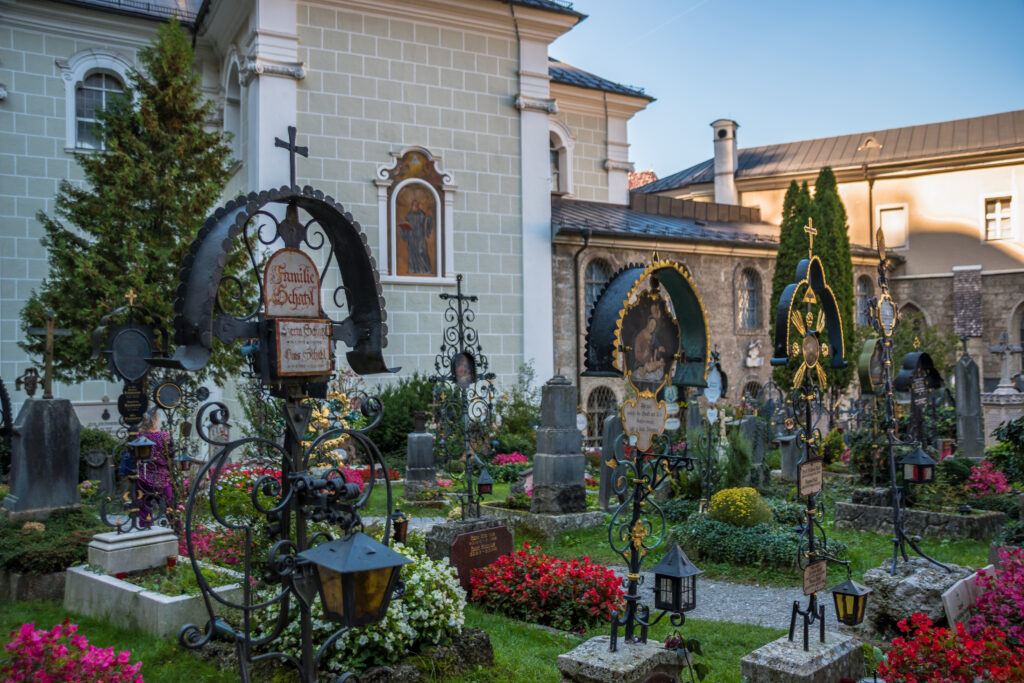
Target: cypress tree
832	245
146	195
797	208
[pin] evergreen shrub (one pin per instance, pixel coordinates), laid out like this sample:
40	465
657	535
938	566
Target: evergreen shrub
62	543
787	513
760	545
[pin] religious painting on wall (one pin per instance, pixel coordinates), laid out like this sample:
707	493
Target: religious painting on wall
413	192
416	230
655	342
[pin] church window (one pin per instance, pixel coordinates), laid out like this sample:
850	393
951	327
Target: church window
560	146
893	222
751	390
415	203
554	164
600	404
92	78
865	290
998	218
749	298
596	277
233	110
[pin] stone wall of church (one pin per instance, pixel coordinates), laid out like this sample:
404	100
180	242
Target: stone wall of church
33	159
377	84
589	177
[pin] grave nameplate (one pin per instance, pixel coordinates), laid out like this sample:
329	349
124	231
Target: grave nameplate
292	285
815	577
167	395
644	418
478	549
810	477
303	347
133	402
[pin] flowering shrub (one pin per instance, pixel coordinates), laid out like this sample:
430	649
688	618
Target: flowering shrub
216	544
59	655
364	474
739	507
531	586
986	480
1001	603
925	654
445	483
506	467
430	613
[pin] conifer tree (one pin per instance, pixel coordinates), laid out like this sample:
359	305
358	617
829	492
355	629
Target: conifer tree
832	245
797	208
129	226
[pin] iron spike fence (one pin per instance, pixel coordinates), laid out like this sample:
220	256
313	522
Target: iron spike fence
464	400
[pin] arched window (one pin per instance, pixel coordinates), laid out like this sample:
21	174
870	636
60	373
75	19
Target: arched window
865	290
911	315
752	389
560	144
91	79
600	404
233	109
596	277
749	299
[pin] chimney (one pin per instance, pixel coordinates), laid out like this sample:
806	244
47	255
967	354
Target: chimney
725	161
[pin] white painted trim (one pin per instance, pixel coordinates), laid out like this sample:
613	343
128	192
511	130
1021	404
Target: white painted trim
567	143
960	269
906	212
1014	210
393	205
73	71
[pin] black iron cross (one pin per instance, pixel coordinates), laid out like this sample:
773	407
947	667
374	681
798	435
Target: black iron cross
293	149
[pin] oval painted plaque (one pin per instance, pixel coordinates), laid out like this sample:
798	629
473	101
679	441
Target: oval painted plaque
291	285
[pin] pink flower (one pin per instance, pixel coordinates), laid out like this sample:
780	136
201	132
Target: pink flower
986	480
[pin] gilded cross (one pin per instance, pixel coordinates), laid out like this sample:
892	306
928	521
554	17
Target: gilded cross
293	149
811	232
131	296
49	332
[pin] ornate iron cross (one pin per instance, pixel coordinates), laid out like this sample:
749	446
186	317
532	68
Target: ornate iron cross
293	149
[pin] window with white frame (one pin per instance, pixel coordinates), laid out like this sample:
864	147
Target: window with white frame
998	214
560	145
748	299
893	222
92	78
595	278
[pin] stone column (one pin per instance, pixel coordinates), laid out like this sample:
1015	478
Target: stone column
559	465
419	465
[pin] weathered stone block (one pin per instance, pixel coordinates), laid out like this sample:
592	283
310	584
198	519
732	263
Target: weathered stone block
591	662
25	587
917	586
133	551
978	525
550	525
786	661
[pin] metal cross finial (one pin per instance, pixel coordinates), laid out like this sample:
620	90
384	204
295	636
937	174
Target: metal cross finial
293	149
917	343
811	232
49	332
131	296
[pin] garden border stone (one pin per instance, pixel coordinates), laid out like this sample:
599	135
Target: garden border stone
550	525
16	587
131	606
977	525
785	661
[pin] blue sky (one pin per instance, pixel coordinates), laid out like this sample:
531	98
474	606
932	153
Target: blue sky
794	70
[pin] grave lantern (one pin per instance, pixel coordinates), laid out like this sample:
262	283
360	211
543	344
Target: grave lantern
851	598
484	484
918	467
675	582
400	522
183	460
356	576
141	448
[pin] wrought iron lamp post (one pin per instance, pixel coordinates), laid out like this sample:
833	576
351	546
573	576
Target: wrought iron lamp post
884	316
464	399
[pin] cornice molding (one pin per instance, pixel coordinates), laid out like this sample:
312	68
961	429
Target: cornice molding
547	106
259	66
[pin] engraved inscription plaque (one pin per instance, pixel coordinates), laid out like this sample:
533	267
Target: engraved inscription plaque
478	549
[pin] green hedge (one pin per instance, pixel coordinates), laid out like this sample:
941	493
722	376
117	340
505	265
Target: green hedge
62	544
761	545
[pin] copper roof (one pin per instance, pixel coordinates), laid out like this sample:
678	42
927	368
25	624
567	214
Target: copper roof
992	133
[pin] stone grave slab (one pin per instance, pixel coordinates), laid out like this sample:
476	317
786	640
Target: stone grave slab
785	661
44	459
133	551
591	662
469	544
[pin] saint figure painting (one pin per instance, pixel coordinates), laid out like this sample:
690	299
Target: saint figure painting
652	343
416	211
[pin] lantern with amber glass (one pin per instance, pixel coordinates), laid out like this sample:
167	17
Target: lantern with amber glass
675	582
356	576
141	448
851	598
918	467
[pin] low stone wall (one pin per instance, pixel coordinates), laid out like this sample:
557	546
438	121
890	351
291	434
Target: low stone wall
25	587
880	496
978	525
552	526
123	603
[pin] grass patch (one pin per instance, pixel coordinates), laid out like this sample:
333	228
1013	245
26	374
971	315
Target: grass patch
163	661
377	505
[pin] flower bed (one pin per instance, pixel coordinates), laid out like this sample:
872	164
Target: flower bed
60	655
528	585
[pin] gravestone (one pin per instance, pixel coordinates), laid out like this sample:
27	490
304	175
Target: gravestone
791	453
420	474
611	449
558	466
44	459
98	467
693	417
970	426
751	428
469	544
